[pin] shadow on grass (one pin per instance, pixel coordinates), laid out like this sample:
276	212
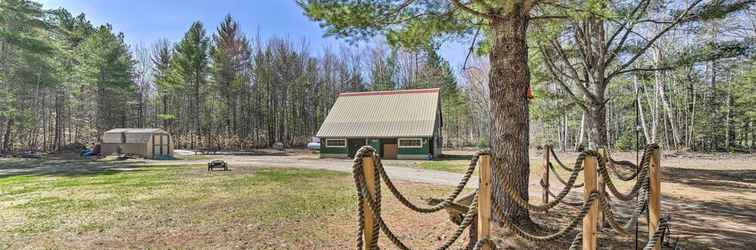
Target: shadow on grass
446	157
65	168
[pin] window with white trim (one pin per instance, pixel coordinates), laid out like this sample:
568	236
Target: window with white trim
410	143
335	143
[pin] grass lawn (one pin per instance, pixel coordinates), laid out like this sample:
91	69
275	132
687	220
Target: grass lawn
187	207
74	204
456	166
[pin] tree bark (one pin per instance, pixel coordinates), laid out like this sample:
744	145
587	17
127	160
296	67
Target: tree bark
579	142
639	106
671	116
597	124
7	139
508	84
59	120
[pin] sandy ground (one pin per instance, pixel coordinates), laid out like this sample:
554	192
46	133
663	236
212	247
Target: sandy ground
711	198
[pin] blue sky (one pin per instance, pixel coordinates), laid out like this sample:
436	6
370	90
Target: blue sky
146	21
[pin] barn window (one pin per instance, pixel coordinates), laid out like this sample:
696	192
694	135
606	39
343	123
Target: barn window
411	143
335	143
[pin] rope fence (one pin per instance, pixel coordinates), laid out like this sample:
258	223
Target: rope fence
581	231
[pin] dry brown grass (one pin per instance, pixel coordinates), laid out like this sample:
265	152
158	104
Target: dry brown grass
187	207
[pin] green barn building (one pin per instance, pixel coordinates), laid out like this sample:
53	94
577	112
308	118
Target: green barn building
401	124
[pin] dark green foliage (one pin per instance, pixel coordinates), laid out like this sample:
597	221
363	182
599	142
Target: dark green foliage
413	26
716	9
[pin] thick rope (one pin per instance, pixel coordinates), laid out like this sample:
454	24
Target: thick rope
577	242
469	216
639	209
564	201
639	188
613	166
374	202
446	202
558	199
594	196
661	227
357	175
565	167
359	180
643	173
559	178
483	242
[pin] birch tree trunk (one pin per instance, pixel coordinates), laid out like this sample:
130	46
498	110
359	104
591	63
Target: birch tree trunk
658	75
579	142
640	108
671	115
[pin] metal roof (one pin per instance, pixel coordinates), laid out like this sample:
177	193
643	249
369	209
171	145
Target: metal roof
383	114
136	130
131	135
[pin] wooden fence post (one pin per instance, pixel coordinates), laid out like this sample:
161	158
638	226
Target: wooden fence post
545	177
484	199
654	202
368	169
602	185
590	220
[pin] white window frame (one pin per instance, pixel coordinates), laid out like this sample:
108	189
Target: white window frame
399	142
328	145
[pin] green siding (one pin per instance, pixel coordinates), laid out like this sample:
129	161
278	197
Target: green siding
326	150
333	150
376	144
417	151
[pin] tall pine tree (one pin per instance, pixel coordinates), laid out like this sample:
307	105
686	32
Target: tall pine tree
190	67
231	57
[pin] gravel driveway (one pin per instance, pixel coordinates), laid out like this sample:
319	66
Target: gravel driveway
402	173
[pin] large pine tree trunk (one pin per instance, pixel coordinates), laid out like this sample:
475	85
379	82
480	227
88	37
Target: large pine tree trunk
7	139
597	124
508	83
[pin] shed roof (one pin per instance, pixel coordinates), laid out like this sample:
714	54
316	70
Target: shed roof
136	130
132	135
383	114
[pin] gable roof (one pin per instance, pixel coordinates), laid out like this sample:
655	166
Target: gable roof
383	114
133	135
136	130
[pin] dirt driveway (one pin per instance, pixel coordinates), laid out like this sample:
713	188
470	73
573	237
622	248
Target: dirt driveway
396	169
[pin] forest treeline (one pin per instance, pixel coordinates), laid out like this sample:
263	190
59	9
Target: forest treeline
64	80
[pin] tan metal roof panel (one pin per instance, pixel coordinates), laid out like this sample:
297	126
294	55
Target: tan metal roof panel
404	113
133	135
135	130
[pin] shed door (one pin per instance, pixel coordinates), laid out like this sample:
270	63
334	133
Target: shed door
160	145
165	145
389	151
